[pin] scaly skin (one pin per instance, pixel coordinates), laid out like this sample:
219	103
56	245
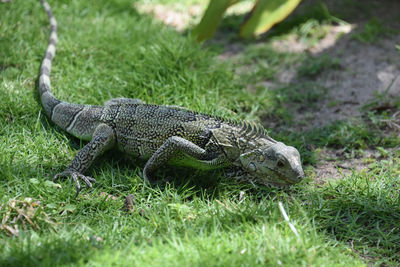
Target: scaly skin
164	135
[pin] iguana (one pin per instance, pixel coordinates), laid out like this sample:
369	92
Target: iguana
164	135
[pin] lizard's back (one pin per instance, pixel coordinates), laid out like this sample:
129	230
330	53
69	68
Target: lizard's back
142	128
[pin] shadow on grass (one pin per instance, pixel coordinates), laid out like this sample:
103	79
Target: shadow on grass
209	185
55	251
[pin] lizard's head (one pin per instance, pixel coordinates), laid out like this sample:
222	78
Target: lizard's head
274	164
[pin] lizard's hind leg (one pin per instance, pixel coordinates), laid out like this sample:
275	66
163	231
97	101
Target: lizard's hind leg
102	140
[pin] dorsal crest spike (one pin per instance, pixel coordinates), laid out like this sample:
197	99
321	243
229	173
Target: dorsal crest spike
247	128
250	129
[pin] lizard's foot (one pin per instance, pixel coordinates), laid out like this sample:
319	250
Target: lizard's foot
75	175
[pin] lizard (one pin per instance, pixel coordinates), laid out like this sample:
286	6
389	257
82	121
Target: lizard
164	135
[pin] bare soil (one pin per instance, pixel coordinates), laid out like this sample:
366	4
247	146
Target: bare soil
336	164
367	70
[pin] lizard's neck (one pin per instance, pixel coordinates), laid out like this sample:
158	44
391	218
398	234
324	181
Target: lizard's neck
239	138
247	144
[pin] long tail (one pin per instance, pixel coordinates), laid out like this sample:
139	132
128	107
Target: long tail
73	118
47	98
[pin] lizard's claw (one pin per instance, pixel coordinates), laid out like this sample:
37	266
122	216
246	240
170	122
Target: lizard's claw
75	175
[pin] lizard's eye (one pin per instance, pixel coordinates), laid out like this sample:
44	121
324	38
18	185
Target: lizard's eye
280	163
252	167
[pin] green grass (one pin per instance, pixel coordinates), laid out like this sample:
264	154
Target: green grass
106	49
371	31
311	66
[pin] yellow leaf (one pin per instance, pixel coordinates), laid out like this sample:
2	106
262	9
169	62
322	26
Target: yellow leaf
264	15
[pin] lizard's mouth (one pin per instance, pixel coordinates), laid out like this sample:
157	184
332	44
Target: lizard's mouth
268	177
287	180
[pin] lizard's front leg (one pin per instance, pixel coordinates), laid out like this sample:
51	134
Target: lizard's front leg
171	147
103	139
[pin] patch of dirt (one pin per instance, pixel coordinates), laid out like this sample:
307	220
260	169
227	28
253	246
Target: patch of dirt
292	44
175	15
181	16
366	70
335	164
